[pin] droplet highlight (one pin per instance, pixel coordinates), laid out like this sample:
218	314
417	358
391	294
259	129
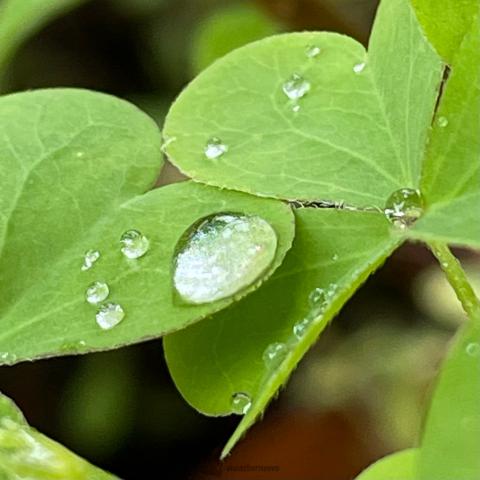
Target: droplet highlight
359	67
301	327
215	148
89	259
97	292
221	255
442	122
296	87
473	349
313	51
241	403
134	244
404	207
274	354
109	316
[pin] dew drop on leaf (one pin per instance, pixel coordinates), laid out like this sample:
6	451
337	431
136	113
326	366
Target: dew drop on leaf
296	108
215	148
89	259
442	122
404	207
301	327
473	349
359	67
296	87
274	354
109	315
220	255
134	244
312	51
241	403
317	297
97	292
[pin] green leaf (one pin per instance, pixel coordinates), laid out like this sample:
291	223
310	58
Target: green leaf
446	22
450	448
26	453
356	137
21	18
451	175
211	361
229	28
397	466
74	168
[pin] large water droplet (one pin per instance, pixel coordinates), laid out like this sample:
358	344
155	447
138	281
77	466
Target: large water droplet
296	87
473	349
109	315
274	354
97	292
359	67
442	122
222	254
89	259
404	207
312	51
215	148
241	403
134	244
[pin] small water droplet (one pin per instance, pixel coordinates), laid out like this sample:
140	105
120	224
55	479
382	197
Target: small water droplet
215	148
80	154
473	349
109	315
97	292
241	403
301	327
317	297
222	254
296	87
296	108
334	257
359	67
8	358
274	354
312	51
89	259
404	207
442	122
134	244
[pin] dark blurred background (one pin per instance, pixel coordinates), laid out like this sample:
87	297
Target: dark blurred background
358	395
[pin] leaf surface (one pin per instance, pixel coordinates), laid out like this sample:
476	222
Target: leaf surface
397	466
26	453
75	166
223	355
450	447
451	174
354	136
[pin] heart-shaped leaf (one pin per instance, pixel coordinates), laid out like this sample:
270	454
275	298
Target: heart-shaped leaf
74	169
252	347
311	116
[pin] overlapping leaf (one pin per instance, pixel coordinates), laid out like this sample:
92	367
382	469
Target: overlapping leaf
356	135
75	166
210	362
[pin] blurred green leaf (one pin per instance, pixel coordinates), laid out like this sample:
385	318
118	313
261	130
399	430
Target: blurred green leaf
446	22
213	360
451	174
27	454
21	18
356	137
229	28
75	166
397	466
450	446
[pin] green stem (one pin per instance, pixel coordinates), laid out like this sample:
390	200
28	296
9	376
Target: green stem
457	279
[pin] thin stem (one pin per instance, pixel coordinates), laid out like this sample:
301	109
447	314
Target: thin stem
457	279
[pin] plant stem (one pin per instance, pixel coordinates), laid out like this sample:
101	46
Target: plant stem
457	279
